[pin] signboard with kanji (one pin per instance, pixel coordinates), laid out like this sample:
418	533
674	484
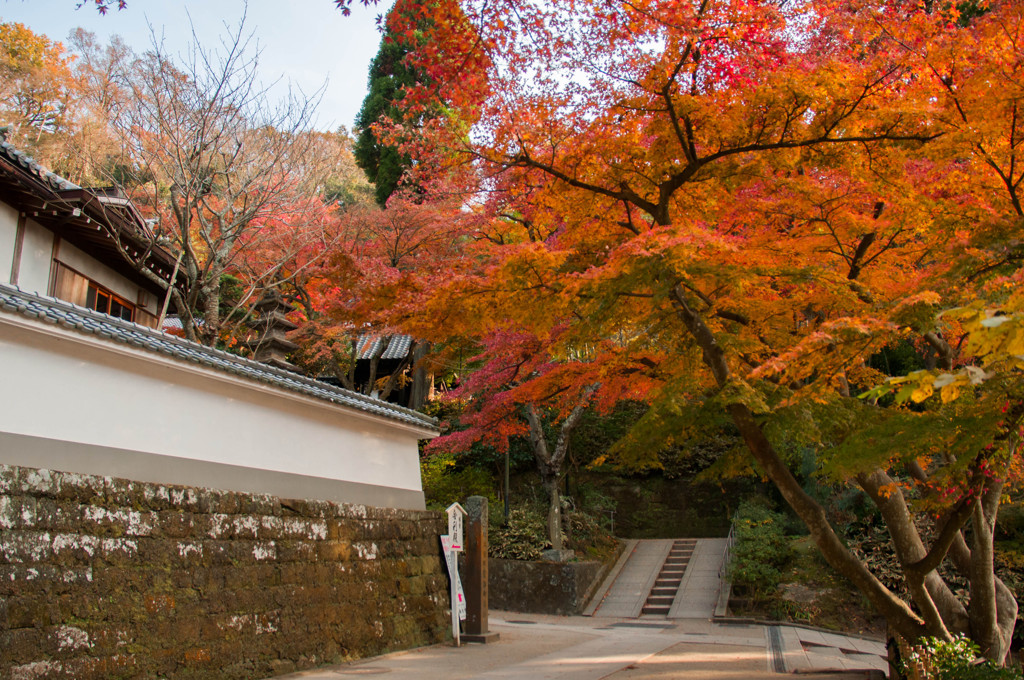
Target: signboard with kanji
456	529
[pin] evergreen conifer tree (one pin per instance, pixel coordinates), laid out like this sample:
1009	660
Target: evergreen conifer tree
389	75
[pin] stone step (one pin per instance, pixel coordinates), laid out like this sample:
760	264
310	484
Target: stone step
670	577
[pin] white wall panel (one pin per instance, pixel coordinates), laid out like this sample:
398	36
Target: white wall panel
8	236
63	386
36	258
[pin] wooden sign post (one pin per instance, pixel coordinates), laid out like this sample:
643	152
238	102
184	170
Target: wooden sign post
476	572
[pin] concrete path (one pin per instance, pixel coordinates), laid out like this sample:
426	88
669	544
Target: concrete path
612	643
629	589
698	593
535	647
802	650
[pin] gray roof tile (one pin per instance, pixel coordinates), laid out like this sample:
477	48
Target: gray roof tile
82	320
367	344
52	179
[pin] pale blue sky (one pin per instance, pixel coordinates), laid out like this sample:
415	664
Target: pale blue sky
304	41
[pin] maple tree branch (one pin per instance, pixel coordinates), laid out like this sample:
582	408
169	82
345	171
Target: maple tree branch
742	319
570	423
953	524
685	138
824	139
941	348
625	193
628	224
858	255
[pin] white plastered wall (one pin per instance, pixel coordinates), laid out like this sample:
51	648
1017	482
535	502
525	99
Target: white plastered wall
36	258
65	387
8	237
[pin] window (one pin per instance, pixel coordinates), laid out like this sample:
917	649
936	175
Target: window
73	287
102	300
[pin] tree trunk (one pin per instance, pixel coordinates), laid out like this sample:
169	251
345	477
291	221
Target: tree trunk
899	615
374	362
210	332
554	511
549	461
990	628
420	386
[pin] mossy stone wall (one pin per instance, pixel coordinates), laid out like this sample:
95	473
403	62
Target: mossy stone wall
109	578
538	587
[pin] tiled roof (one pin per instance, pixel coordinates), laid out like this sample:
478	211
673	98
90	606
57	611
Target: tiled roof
366	344
85	321
173	323
53	180
398	348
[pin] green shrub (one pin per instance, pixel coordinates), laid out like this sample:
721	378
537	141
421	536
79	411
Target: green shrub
761	548
526	534
958	659
445	482
590	538
523	538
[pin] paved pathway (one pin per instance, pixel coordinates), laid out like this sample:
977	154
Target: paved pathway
802	650
613	642
626	593
698	593
534	647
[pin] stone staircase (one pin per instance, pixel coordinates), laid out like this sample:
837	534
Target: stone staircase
666	585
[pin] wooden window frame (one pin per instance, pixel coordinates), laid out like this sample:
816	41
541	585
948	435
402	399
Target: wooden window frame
91	289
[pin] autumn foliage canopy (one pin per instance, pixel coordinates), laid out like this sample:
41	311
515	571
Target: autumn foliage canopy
727	208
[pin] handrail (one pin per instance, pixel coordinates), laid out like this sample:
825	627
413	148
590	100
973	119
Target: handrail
723	570
724	580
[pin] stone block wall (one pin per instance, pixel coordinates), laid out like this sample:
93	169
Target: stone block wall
560	588
109	578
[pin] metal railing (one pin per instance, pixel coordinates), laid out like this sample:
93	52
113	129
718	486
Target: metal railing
724	574
723	571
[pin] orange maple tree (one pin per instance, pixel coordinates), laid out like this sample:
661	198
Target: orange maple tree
738	203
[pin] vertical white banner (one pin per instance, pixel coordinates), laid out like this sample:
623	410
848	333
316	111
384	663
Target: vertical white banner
458	596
